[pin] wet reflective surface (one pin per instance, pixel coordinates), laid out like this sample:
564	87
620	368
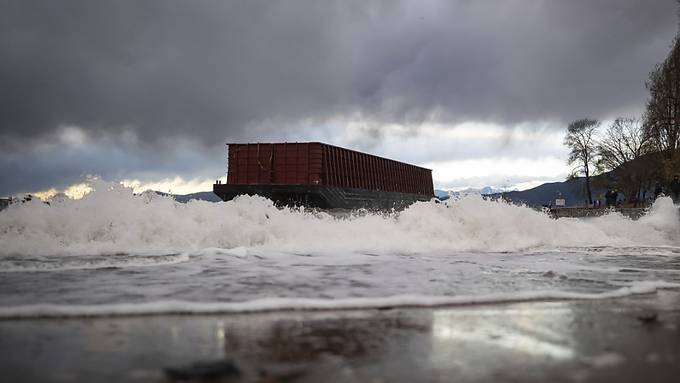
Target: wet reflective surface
630	339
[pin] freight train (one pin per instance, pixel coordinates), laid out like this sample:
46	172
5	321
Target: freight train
324	176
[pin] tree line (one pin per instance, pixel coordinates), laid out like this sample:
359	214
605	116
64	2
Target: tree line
635	153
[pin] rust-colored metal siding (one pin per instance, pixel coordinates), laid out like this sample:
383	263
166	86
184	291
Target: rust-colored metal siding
281	163
315	163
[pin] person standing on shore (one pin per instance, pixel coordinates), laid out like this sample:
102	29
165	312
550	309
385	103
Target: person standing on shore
675	189
657	190
610	197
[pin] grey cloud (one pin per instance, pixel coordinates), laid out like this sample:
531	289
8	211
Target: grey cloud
214	70
217	71
62	164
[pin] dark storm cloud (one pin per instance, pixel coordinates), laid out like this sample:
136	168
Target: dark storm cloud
61	165
216	70
164	72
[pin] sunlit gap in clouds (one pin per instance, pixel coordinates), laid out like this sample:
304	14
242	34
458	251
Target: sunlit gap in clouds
75	191
176	185
64	163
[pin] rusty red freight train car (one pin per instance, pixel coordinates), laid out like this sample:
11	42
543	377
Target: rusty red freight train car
320	175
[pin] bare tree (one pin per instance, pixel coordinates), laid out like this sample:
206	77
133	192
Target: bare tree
662	119
621	149
624	140
581	140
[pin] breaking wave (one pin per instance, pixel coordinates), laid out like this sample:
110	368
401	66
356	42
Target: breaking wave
10	264
287	304
113	220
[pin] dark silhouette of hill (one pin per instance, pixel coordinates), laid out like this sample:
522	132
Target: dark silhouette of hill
647	168
203	196
184	198
572	190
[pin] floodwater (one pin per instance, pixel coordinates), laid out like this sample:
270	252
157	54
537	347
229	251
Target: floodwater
115	253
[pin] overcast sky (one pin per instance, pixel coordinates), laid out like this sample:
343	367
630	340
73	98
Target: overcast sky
149	91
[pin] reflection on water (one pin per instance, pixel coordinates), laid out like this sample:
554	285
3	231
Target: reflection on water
444	341
532	332
511	342
292	340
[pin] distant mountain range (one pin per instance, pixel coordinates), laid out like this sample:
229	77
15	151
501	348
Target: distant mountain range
202	196
487	190
571	190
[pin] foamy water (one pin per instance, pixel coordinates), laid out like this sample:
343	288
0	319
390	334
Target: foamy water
116	253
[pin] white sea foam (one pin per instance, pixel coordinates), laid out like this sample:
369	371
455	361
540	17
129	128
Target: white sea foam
106	261
287	304
112	220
